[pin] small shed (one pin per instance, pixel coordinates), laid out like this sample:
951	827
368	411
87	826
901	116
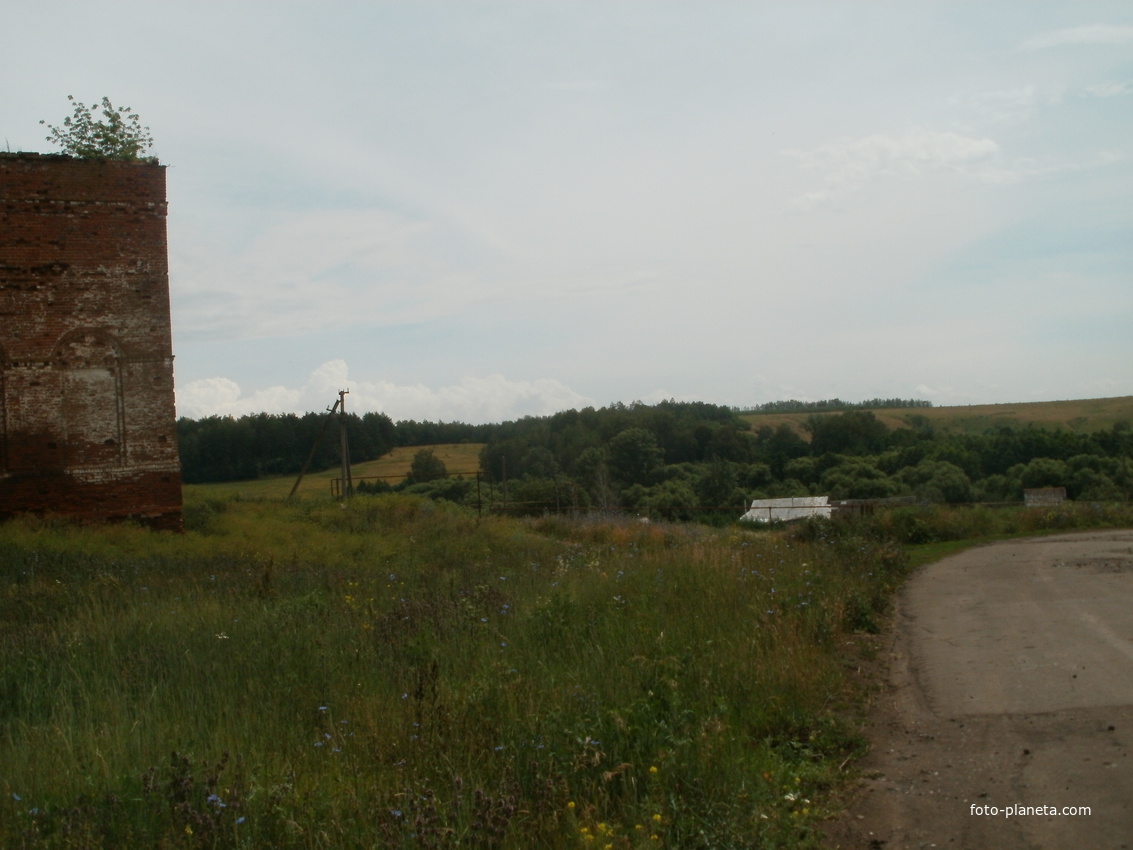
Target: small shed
1041	497
785	510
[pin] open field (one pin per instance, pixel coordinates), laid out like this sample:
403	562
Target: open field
393	467
394	672
1083	415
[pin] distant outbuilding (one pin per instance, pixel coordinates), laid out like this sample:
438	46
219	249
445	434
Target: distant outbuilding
785	510
1039	497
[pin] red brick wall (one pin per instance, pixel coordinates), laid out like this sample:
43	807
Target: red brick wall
87	417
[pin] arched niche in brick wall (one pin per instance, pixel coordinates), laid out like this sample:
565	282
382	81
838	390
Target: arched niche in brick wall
89	365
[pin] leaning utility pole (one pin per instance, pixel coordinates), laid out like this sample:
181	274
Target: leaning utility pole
314	446
344	446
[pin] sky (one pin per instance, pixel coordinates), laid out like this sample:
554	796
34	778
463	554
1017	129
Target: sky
477	211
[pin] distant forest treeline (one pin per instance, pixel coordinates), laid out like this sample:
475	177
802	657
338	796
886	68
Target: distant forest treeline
686	459
831	405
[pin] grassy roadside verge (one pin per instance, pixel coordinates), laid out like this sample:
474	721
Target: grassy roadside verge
395	673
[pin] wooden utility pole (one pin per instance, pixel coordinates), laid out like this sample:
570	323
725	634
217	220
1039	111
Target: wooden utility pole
344	446
314	446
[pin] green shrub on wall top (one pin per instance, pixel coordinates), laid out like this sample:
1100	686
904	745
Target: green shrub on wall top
118	135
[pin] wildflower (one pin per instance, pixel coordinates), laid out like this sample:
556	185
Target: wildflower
570	805
657	818
653	769
240	820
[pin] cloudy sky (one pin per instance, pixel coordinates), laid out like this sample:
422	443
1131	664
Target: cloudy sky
481	210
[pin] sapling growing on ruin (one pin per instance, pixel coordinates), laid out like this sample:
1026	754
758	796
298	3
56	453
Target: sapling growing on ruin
118	134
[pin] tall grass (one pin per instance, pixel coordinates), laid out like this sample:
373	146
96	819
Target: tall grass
397	673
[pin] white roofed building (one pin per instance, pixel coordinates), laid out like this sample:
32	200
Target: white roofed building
785	510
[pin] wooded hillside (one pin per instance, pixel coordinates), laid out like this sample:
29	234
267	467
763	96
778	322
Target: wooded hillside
688	460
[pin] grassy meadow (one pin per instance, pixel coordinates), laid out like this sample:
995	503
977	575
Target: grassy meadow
393	672
393	467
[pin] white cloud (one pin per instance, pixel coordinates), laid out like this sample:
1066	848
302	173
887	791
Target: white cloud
1110	89
1011	106
491	398
1095	34
848	165
223	397
304	271
583	85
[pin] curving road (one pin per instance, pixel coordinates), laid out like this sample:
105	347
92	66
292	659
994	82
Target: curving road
1010	684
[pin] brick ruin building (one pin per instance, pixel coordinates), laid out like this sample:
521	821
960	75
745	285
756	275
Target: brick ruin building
87	416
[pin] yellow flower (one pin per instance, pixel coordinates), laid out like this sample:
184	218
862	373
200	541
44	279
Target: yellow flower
653	769
657	818
570	805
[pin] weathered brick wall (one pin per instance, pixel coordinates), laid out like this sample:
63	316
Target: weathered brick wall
87	417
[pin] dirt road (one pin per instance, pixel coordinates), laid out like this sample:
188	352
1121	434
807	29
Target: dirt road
1010	683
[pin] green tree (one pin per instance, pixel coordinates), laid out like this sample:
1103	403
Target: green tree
718	485
592	471
635	456
426	466
119	134
938	481
1045	472
671	500
778	446
856	432
858	479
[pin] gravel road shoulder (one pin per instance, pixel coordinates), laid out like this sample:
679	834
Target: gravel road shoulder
1008	682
